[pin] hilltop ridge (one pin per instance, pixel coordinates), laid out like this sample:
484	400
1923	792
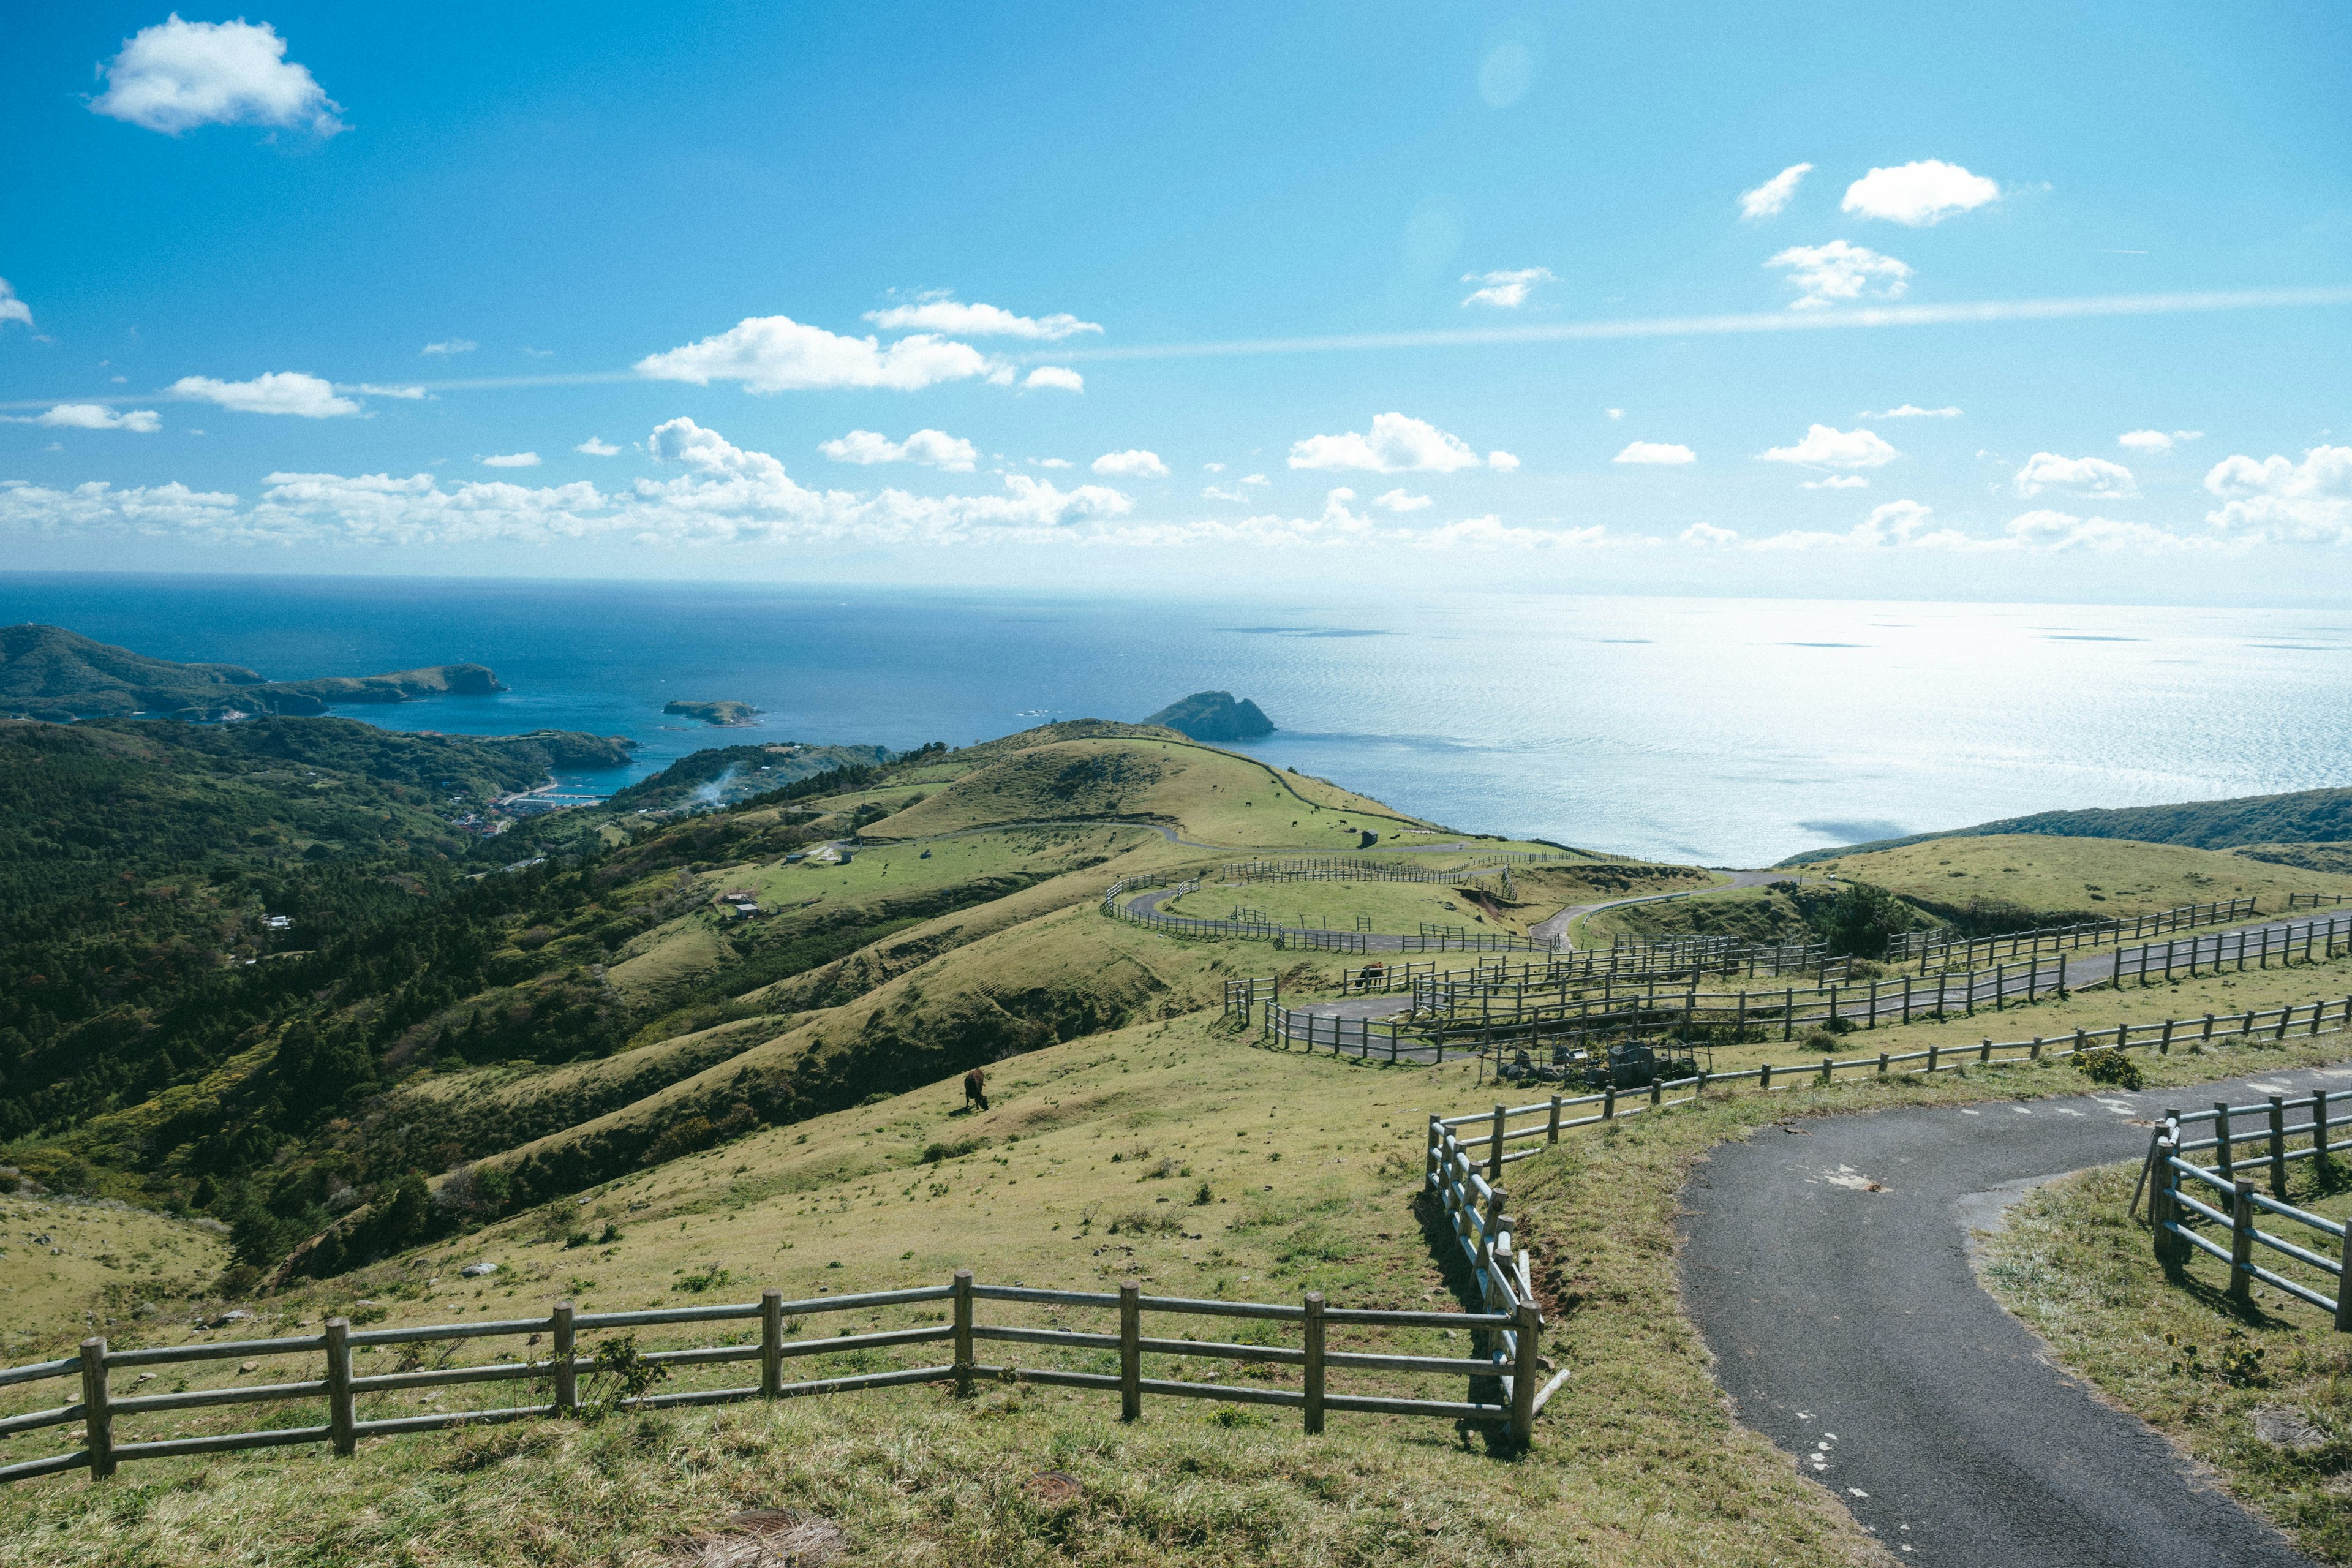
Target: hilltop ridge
52	673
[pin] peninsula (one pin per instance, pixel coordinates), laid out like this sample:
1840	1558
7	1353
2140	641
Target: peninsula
49	672
722	715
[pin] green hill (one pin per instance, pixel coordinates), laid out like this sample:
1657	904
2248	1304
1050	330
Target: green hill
2305	816
49	672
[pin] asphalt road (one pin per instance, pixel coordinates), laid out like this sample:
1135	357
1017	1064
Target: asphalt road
1849	1328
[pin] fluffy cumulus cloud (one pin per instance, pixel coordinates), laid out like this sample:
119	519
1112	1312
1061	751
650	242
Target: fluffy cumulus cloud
776	354
1913	411
2154	441
169	510
177	76
450	346
932	448
942	313
1919	194
1397	443
1402	501
512	461
2060	531
1054	378
96	417
1660	454
2083	475
1506	291
1772	197
1133	464
280	392
2276	497
595	448
1839	273
1825	447
12	309
1503	462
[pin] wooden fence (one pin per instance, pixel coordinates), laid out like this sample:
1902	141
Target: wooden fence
2174	1211
1717	955
1115	904
1512	1335
2316	901
2157	963
1478	868
1933	947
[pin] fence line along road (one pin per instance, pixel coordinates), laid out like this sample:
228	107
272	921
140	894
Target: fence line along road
2316	901
1498	1375
1930	947
2156	962
2174	1211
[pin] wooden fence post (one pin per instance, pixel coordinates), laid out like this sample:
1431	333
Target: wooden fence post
1525	1369
1437	1149
2161	1211
2344	1284
342	1426
2241	1239
1934	1051
97	1416
1314	1404
2222	1158
567	1375
1551	1133
772	1344
963	1334
2320	1161
1131	1350
2278	1146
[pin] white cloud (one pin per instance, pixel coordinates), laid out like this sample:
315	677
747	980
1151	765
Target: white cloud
1707	533
1893	524
2276	497
938	313
1913	411
1919	194
450	346
1055	378
1397	443
370	389
1255	479
98	506
1131	464
1490	533
597	448
1614	413
12	309
1402	501
1213	467
1050	462
935	449
2087	476
1214	493
1836	482
1506	290
512	461
1663	453
1503	462
1771	198
2154	441
776	354
177	76
1835	273
2059	531
1823	448
96	417
280	392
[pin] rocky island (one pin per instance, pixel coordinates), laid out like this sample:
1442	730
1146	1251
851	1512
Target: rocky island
1214	716
49	672
723	715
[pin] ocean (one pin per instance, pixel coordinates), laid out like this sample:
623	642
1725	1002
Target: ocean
1728	731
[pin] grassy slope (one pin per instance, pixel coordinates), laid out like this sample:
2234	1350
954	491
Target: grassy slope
2087	1279
2081	878
100	1261
2305	816
1403	906
1208	795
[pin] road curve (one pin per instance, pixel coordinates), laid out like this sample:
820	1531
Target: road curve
1557	926
1849	1328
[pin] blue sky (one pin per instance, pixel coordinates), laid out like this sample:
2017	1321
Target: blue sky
1410	293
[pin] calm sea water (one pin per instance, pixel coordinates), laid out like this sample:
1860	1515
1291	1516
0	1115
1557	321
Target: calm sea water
1732	732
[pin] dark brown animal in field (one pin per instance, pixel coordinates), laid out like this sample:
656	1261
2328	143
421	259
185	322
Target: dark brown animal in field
975	1090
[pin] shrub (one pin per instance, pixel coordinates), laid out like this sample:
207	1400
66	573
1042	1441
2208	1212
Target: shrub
2109	1066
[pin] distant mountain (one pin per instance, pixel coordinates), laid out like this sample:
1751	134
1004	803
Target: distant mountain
49	672
2305	816
1214	716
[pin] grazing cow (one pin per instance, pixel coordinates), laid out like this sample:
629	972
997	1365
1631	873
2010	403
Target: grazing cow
975	1090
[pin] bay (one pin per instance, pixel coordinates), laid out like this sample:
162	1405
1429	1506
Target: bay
1732	732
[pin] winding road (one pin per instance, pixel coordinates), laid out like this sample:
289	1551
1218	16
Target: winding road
1829	1274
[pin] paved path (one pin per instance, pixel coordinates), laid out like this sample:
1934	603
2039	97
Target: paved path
1557	926
1849	1328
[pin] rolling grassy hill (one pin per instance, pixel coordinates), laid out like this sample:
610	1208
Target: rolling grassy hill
2304	816
2058	879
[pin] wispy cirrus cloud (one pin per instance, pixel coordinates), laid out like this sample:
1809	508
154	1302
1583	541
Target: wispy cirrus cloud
1506	290
1772	197
1911	411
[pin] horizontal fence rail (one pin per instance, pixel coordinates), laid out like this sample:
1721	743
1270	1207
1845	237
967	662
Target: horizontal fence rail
2307	942
1935	947
2272	1135
1116	904
557	1377
2316	901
